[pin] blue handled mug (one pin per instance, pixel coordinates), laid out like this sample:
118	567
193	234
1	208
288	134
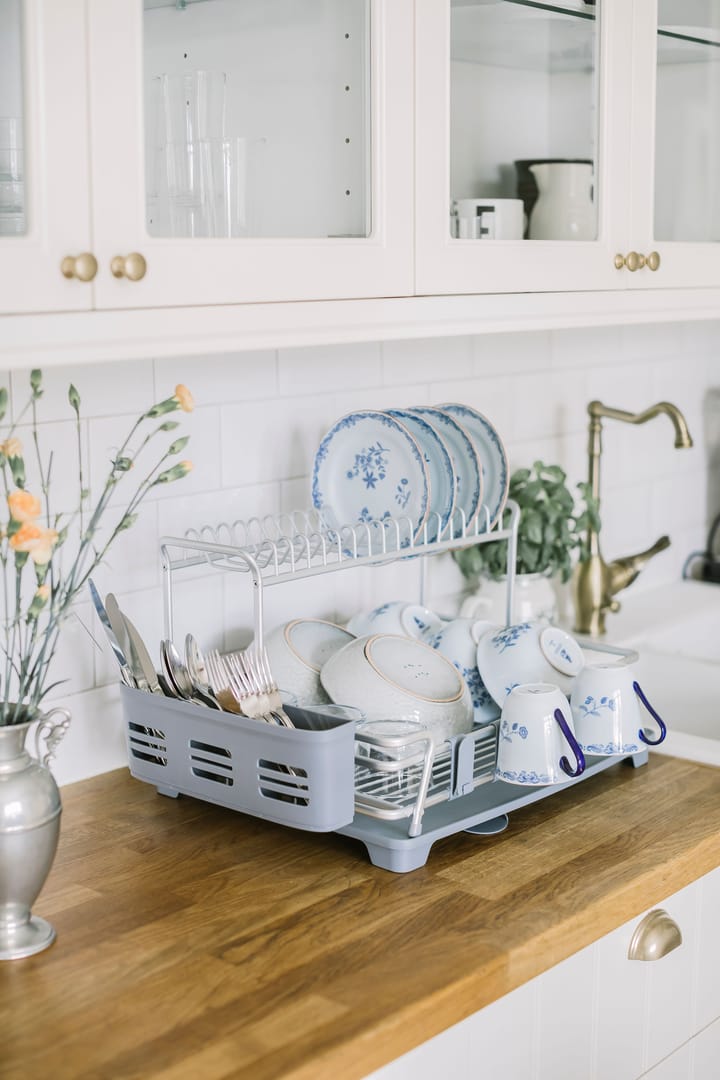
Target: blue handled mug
607	706
536	740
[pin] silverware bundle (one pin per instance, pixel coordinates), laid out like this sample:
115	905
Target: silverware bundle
239	683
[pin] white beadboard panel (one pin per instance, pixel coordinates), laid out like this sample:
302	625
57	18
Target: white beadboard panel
500	1038
447	1054
669	1017
104	390
216	380
621	991
95	742
676	1066
708	985
332	367
575	348
508	354
450	358
564	1018
705	1053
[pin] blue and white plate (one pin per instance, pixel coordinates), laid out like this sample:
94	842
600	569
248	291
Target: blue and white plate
465	461
369	468
440	470
493	458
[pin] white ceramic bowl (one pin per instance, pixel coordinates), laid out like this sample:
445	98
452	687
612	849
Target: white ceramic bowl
297	652
391	677
529	652
395	617
457	640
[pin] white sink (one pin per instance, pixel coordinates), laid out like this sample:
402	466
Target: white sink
676	631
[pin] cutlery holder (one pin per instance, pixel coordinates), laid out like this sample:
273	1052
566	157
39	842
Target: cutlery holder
293	776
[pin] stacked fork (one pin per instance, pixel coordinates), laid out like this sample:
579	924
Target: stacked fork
246	676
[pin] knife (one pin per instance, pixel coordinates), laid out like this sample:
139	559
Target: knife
139	651
119	625
115	645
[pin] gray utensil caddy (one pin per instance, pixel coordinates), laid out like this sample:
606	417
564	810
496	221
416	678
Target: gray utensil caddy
306	778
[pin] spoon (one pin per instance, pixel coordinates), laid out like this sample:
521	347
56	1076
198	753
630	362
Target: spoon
179	677
195	663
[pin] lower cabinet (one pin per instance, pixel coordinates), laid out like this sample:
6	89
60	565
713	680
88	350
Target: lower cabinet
598	1015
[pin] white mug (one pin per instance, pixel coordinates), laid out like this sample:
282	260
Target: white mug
535	735
489	219
606	713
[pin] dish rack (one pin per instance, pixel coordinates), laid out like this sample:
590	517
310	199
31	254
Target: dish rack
397	795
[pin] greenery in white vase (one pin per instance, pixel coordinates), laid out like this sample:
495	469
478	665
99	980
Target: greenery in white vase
38	590
551	529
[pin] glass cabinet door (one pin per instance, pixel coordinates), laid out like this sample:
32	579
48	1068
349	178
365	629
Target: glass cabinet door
528	132
44	215
264	156
680	215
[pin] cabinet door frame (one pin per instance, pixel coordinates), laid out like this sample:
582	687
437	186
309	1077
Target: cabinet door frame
445	265
683	264
222	271
56	164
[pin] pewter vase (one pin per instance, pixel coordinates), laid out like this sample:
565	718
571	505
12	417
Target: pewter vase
30	810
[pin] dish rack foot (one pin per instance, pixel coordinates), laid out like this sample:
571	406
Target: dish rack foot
170	792
639	759
489	828
400	862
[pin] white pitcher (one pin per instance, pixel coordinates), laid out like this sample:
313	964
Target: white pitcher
564	209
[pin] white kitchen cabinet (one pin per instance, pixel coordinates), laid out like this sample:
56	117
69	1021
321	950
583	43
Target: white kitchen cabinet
348	127
44	184
598	1015
619	98
286	174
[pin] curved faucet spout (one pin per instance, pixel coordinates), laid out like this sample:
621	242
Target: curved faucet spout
596	582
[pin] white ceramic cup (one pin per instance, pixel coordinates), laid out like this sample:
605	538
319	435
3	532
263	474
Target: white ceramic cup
391	677
395	617
536	741
297	651
490	219
606	711
528	652
457	640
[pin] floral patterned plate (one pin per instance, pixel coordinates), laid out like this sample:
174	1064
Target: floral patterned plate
493	458
369	468
465	462
440	470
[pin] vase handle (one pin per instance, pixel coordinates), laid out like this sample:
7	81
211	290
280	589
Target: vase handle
52	731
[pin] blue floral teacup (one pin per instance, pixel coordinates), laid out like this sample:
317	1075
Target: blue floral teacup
457	640
606	711
536	741
528	652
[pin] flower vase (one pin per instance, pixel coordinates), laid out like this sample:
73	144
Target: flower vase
30	810
535	600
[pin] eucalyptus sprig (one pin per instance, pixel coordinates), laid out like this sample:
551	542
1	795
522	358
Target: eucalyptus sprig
38	593
551	529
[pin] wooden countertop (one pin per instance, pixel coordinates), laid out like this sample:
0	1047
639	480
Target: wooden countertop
197	942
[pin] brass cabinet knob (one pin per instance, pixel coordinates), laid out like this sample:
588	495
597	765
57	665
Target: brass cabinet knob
131	266
654	937
82	267
633	261
653	260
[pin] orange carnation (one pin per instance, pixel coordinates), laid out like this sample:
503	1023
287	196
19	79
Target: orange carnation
184	398
23	505
38	543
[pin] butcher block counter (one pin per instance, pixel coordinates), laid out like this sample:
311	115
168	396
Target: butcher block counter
193	941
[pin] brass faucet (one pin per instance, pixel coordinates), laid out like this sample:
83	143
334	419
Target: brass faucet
596	582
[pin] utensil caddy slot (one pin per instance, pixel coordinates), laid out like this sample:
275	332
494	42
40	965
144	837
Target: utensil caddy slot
327	780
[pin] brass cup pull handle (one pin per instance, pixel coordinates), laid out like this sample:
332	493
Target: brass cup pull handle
654	937
653	261
132	266
82	267
632	261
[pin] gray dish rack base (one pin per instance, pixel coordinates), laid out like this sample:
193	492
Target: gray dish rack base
317	776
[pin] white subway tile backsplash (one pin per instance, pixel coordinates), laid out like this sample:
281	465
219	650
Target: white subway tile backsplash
329	367
509	354
216	380
104	390
446	358
585	348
